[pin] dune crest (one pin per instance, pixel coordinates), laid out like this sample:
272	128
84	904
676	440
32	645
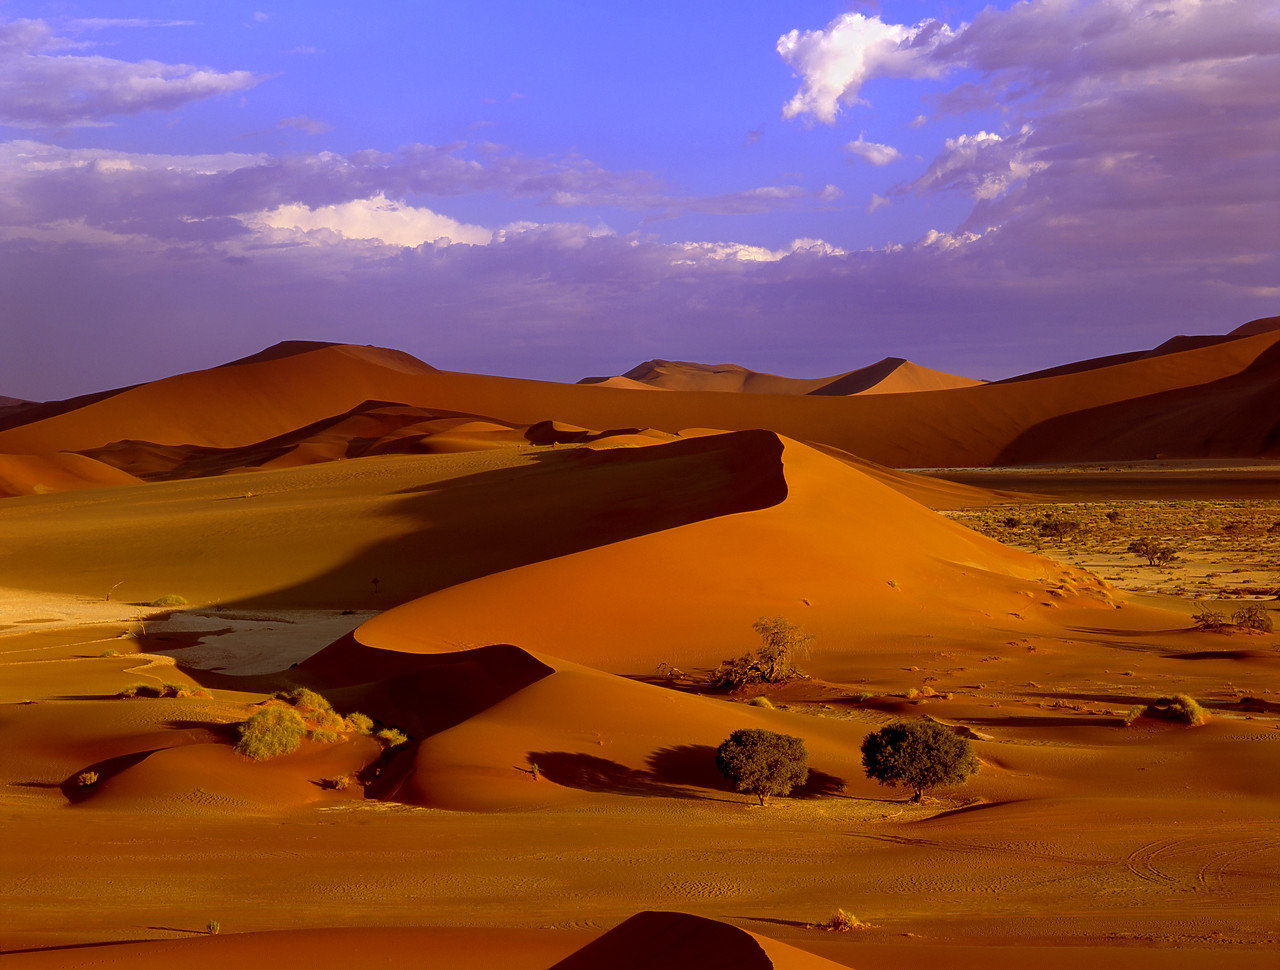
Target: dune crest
653	939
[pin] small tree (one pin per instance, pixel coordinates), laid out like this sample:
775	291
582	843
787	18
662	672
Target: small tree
763	762
774	661
922	754
1156	553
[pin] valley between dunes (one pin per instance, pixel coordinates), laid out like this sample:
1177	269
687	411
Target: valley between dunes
533	582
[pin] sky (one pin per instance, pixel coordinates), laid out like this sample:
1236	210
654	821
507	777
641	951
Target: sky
564	189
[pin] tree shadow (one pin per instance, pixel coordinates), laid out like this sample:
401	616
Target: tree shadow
688	764
820	785
589	773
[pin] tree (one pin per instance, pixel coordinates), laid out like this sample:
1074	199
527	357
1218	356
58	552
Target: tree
774	661
763	763
922	754
1156	553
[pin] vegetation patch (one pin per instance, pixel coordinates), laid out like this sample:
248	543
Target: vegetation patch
763	763
773	662
1181	708
921	754
271	732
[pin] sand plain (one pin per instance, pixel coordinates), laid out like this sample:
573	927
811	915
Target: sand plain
505	590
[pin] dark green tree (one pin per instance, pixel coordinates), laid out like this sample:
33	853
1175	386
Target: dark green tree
763	763
922	754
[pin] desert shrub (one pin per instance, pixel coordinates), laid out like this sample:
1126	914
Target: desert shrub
270	732
1133	714
213	927
761	702
136	690
305	700
1252	617
87	779
172	599
1179	707
393	736
1209	619
921	754
109	653
1156	553
842	922
338	783
773	662
762	762
669	671
325	736
360	723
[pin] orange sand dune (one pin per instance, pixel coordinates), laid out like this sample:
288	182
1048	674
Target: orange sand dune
40	474
372	532
893	375
240	405
680	940
587	731
847	557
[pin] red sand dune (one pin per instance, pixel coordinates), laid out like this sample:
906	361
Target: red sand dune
1221	386
893	375
40	474
675	940
843	554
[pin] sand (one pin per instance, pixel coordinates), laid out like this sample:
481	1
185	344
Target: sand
516	574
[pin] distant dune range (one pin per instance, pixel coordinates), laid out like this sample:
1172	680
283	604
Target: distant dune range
1202	397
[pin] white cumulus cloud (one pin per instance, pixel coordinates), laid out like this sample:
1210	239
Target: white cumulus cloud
377	218
873	152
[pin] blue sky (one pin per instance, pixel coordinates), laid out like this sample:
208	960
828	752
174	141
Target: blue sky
565	189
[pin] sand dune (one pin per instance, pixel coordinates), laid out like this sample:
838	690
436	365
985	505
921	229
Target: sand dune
893	375
41	474
281	392
844	555
681	940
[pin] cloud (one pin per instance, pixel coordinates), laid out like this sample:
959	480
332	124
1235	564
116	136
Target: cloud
309	126
834	63
876	154
44	88
376	218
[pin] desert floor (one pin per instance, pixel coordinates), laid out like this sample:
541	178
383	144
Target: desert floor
1081	840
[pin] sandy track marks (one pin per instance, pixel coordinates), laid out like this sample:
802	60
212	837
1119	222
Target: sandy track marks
1213	873
1142	861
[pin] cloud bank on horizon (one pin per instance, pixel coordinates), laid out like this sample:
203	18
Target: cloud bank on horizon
555	194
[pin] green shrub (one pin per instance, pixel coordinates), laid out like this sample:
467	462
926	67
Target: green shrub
360	723
842	922
271	732
305	700
87	779
109	653
922	754
1179	707
213	927
325	736
337	783
393	736
172	599
761	702
762	762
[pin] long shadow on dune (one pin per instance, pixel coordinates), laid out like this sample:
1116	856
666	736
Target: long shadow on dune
1032	721
451	531
590	773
